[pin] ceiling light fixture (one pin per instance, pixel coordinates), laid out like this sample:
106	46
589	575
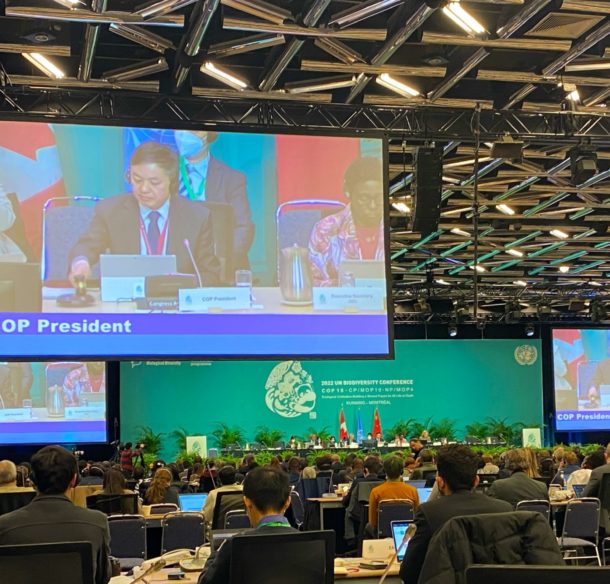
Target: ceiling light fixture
321	84
401	207
573	96
564	269
559	234
505	209
389	82
478	268
72	4
463	19
458	231
222	75
47	67
520	283
515	252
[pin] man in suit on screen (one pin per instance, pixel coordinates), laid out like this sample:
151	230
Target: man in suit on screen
205	178
151	220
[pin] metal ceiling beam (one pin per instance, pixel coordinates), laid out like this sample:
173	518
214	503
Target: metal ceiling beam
92	34
57	50
92	17
435	38
334	67
270	77
414	21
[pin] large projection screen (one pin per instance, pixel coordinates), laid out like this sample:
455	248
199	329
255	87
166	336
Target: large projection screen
581	374
122	242
61	402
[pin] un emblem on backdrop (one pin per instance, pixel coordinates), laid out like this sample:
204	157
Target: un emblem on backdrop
526	354
290	390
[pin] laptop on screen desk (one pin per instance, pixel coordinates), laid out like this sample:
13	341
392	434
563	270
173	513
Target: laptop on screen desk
123	276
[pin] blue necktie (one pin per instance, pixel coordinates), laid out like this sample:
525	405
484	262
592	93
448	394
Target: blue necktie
153	232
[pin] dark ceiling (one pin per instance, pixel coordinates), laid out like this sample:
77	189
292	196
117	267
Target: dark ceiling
515	77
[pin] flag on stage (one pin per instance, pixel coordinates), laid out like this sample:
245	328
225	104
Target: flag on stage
376	423
359	428
30	167
342	426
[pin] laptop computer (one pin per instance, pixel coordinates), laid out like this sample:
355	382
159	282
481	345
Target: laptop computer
20	287
578	490
417	483
123	276
399	528
424	493
365	273
192	501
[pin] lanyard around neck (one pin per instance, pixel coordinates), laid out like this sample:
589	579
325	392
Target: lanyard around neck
192	195
160	243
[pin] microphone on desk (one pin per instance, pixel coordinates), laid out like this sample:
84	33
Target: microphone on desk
409	533
187	245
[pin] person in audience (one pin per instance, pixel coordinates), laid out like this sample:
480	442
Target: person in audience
127	456
204	178
114	483
567	466
393	488
227	481
324	463
593	489
209	476
532	463
423	465
161	489
8	478
424	436
309	472
519	486
52	518
488	466
150	220
457	476
410	465
416	446
94	475
266	498
294	469
589	464
355	232
248	463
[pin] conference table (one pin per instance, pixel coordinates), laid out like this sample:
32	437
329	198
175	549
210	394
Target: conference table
265	300
345	569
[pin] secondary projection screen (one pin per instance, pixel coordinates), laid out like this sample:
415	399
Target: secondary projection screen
132	242
581	371
52	403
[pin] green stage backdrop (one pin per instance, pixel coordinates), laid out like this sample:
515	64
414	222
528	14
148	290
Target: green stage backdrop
465	381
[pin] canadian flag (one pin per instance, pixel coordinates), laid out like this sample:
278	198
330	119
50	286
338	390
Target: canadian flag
30	167
342	426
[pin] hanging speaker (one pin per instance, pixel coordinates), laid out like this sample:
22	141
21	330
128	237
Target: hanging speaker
427	188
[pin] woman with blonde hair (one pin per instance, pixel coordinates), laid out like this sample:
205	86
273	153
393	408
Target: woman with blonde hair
161	489
532	463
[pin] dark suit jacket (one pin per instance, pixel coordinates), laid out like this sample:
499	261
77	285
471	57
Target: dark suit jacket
593	489
518	487
431	516
224	184
55	519
115	229
217	568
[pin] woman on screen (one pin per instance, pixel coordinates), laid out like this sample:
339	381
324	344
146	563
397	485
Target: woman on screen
9	250
355	232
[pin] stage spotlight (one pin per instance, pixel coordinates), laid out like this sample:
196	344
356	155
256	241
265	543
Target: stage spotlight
583	163
422	305
513	312
529	330
452	330
508	148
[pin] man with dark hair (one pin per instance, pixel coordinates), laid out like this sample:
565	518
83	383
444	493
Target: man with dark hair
518	486
227	479
150	220
416	446
393	488
52	518
457	476
266	498
593	488
424	464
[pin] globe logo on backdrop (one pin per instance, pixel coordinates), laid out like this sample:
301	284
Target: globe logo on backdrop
526	354
290	390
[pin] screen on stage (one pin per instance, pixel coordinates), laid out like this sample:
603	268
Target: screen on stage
62	402
581	373
130	242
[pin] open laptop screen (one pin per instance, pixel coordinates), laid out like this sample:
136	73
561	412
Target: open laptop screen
192	502
399	528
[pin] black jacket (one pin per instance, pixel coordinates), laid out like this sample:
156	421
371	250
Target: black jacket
518	487
55	519
518	537
431	516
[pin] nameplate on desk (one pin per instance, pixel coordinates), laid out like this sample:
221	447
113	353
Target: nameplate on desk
348	298
15	414
209	299
85	412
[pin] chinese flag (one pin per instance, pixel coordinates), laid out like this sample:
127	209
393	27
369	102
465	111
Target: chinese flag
342	426
376	423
